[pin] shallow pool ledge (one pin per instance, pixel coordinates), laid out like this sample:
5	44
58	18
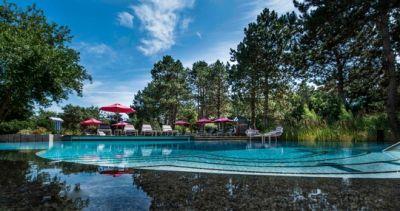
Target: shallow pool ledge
126	138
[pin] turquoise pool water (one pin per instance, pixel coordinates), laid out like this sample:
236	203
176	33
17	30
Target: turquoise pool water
364	160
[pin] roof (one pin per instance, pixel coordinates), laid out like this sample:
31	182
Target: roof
57	119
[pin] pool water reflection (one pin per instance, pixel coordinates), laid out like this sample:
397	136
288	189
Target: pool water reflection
364	160
32	183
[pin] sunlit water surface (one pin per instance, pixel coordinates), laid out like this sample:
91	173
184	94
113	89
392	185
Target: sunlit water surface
30	182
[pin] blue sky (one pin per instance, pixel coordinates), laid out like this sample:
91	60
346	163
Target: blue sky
120	40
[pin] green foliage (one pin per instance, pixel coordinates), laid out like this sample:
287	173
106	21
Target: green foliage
188	113
40	131
165	95
262	61
73	115
41	119
351	46
36	66
210	88
14	126
25	132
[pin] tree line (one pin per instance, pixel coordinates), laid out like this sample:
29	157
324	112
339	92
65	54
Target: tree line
333	62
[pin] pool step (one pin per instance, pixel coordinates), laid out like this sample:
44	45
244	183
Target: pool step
219	138
392	147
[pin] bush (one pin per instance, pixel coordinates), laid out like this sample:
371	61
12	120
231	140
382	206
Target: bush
15	126
40	131
25	132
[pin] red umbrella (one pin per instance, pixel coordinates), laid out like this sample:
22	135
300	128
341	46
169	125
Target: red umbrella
120	124
182	123
222	120
117	172
91	121
117	108
203	121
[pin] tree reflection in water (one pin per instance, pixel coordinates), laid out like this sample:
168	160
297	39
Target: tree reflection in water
194	191
24	187
26	184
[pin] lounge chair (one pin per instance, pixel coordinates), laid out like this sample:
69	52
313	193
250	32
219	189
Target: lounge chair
230	132
201	132
272	134
147	129
220	132
106	129
101	133
252	132
130	129
166	129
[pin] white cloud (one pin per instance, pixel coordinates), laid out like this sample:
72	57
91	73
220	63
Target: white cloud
185	24
125	19
255	7
159	19
94	49
198	34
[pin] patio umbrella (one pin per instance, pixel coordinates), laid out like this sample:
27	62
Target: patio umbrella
182	123
91	121
203	121
118	108
118	124
222	120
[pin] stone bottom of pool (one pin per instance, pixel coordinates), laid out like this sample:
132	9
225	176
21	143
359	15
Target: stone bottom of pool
76	175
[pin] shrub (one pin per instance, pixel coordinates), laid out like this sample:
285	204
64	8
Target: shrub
15	126
40	131
25	132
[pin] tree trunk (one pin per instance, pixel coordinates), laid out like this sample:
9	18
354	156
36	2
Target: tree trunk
5	106
219	102
390	72
253	108
340	77
266	100
201	114
172	116
198	101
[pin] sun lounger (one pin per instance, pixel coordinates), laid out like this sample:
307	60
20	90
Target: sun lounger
101	133
130	129
272	134
148	130
166	130
252	132
106	129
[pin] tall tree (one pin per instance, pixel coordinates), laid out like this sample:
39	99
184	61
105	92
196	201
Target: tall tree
219	87
261	58
36	65
243	76
199	77
170	86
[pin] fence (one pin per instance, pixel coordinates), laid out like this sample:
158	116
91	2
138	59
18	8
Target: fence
29	138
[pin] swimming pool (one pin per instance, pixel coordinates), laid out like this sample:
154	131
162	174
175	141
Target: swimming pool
365	160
